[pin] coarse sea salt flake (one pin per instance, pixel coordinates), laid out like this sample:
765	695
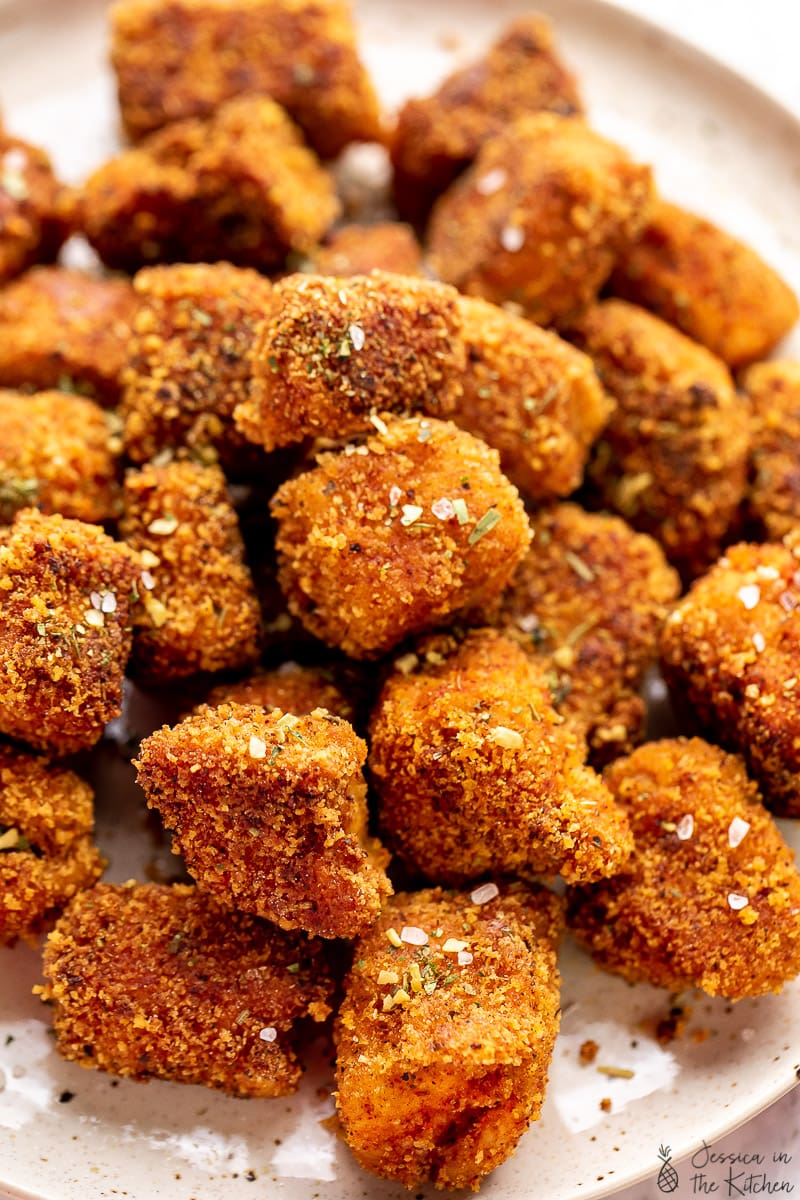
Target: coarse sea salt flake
491	182
411	513
685	827
268	1034
737	902
759	642
443	509
108	604
464	958
395	496
749	595
257	747
357	337
412	935
512	238
737	832
484	893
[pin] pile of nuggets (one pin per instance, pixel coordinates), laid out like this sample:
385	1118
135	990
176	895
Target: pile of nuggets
405	510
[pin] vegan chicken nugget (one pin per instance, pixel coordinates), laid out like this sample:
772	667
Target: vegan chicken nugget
476	771
712	286
359	249
269	811
773	498
446	1031
292	688
396	536
66	591
540	217
34	207
711	897
46	850
154	981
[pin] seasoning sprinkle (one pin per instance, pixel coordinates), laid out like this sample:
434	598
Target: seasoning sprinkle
460	510
454	946
163	526
509	739
737	832
616	1072
759	642
486	524
94	618
581	569
411	513
379	424
395	496
257	748
108	603
147	581
357	337
406	663
385	977
393	937
484	893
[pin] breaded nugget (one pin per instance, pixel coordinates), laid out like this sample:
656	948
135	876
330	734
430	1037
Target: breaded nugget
182	58
241	186
437	137
476	771
446	1032
292	688
395	536
530	395
731	649
712	286
46	850
63	328
66	593
269	811
773	498
335	350
153	981
34	207
711	897
673	457
189	359
359	249
540	217
589	599
199	609
57	452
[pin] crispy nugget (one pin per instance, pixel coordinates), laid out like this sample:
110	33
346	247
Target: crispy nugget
241	186
446	1032
396	536
335	350
183	58
189	359
476	771
153	981
57	452
66	593
589	599
292	688
359	249
46	849
540	217
63	328
532	396
712	286
34	207
269	811
673	457
711	897
731	649
437	137
773	499
199	610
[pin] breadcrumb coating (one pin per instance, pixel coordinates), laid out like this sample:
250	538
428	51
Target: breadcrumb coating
396	536
476	771
673	457
711	897
46	850
731	648
707	283
34	207
161	982
269	811
333	351
359	249
292	688
446	1032
241	185
63	328
773	498
183	58
437	137
66	592
199	610
569	201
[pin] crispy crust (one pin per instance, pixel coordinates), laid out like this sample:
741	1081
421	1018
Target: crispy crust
359	249
292	688
773	389
34	207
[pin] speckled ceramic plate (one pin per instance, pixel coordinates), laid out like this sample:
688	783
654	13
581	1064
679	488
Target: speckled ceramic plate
67	1134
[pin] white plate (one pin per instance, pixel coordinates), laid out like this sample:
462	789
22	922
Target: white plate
718	145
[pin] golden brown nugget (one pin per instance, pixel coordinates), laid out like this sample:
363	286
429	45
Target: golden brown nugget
532	396
46	850
476	771
189	359
34	207
711	897
397	535
269	811
161	982
64	328
66	593
589	599
334	351
183	58
292	688
547	236
707	283
673	457
731	648
773	498
359	249
241	186
437	137
58	453
446	1032
198	610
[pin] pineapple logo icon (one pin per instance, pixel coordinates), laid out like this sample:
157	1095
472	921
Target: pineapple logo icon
667	1177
